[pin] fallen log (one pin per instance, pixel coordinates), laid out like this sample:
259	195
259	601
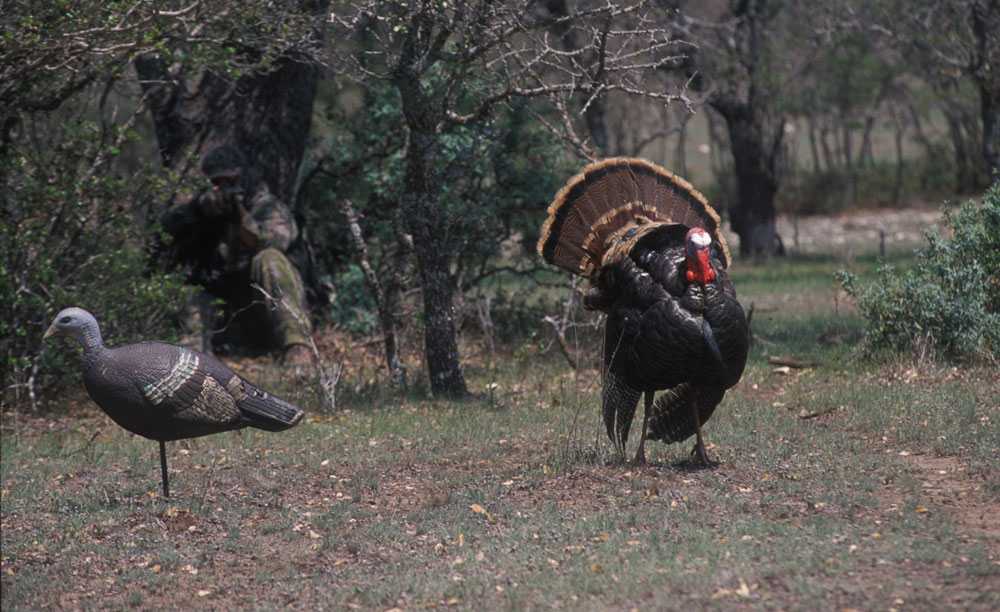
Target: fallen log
792	363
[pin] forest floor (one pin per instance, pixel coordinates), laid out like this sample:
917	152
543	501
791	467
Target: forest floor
841	484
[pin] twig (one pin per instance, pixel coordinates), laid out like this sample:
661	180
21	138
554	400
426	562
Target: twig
31	386
208	482
818	413
561	339
753	335
85	446
327	380
486	321
397	373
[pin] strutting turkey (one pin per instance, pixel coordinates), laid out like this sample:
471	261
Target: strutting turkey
166	392
656	258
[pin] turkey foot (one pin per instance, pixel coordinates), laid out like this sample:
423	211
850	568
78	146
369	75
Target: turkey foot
698	452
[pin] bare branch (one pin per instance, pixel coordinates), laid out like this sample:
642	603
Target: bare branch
328	377
387	318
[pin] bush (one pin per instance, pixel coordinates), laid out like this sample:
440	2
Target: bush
353	310
74	233
949	304
498	191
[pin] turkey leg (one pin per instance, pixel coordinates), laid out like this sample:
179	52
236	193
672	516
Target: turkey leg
640	455
163	468
699	448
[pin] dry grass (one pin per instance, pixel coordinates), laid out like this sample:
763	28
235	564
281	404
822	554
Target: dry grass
842	486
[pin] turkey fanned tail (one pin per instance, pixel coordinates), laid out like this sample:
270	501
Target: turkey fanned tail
614	204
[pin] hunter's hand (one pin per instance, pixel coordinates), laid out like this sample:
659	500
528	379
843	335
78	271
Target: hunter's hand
213	202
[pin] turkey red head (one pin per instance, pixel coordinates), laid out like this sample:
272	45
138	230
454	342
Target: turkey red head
696	246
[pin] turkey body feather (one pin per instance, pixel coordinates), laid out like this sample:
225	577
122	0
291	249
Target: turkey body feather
657	339
653	250
166	392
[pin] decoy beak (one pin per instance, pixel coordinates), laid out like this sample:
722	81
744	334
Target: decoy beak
51	331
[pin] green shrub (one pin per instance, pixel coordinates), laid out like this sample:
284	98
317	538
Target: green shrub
353	310
500	184
73	233
949	304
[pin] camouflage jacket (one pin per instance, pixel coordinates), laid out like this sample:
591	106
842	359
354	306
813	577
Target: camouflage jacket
270	221
213	241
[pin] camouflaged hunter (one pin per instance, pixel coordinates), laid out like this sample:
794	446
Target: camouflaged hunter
231	236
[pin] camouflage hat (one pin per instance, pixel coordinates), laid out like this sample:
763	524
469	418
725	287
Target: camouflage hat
224	161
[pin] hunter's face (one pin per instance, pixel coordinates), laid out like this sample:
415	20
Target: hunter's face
224	181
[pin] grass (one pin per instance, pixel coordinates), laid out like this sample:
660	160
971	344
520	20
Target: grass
844	485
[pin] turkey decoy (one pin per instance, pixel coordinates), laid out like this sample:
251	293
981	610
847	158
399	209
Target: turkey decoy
656	258
166	392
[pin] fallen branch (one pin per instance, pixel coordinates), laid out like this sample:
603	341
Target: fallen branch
812	415
792	363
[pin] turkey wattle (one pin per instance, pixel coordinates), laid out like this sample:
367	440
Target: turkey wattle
656	258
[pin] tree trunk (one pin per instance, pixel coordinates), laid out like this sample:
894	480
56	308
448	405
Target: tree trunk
985	19
812	143
897	187
827	153
990	110
717	140
963	172
845	130
422	215
426	222
752	217
867	155
267	115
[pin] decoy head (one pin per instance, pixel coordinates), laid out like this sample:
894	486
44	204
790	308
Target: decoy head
75	323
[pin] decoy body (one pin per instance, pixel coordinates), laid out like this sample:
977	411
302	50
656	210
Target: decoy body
167	392
654	252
